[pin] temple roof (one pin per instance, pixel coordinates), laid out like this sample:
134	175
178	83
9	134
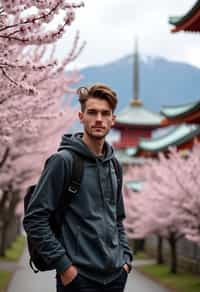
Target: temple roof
189	21
126	157
138	115
179	135
180	110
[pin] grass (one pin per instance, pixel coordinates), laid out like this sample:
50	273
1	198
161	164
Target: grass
4	280
182	282
14	252
141	256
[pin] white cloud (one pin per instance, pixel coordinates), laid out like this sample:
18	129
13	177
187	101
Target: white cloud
109	27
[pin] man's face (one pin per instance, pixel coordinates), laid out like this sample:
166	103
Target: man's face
97	118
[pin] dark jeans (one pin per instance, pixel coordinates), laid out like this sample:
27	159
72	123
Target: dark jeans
82	284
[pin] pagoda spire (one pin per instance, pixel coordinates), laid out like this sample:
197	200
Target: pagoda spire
136	101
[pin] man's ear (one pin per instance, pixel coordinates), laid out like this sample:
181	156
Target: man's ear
113	120
80	115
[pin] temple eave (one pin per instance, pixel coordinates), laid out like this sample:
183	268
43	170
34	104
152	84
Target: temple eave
189	24
180	136
191	29
181	145
119	125
193	119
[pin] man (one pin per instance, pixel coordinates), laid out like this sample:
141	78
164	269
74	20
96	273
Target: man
91	253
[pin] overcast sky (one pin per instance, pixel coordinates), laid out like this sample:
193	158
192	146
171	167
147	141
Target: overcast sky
109	27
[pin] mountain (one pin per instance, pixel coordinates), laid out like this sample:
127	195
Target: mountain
162	82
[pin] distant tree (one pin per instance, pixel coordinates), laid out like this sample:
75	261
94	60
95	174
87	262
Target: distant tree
169	204
189	181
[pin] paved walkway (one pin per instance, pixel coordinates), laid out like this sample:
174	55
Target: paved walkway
8	266
24	280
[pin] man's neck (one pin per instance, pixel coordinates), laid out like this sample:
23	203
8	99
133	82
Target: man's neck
95	145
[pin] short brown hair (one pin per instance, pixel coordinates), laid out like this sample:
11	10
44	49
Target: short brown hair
99	91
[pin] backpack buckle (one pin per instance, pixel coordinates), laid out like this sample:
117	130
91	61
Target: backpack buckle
74	187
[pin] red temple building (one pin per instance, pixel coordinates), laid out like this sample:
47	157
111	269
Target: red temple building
190	22
186	117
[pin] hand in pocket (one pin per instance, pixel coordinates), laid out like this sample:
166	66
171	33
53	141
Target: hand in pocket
69	275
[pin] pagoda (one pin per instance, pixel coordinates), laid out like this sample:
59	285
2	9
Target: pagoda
190	22
135	121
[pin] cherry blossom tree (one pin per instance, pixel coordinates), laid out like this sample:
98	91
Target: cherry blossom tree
25	73
189	182
23	167
134	174
32	84
169	204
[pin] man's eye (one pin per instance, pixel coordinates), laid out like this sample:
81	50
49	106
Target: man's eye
106	113
91	112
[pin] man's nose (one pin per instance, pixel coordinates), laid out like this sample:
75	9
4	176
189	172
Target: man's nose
99	117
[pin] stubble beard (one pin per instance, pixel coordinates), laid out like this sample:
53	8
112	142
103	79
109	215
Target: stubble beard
96	137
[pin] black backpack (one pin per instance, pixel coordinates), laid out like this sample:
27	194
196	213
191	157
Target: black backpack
36	262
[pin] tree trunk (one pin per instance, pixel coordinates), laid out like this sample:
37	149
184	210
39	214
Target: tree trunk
3	240
5	156
18	218
160	259
172	243
6	216
138	245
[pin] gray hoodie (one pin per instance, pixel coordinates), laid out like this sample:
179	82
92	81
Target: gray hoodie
92	236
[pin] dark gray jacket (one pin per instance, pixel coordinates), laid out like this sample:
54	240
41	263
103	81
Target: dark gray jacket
92	236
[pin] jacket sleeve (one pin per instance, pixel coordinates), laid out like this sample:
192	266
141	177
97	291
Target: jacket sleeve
44	202
122	235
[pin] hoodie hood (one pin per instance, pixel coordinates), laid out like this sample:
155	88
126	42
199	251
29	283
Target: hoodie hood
75	142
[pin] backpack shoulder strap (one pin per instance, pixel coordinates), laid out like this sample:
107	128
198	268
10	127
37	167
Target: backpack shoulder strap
70	190
76	176
118	171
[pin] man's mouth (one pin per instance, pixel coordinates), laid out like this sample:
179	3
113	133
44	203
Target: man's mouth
101	128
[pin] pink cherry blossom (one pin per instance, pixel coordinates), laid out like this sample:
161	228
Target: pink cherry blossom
32	85
169	203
